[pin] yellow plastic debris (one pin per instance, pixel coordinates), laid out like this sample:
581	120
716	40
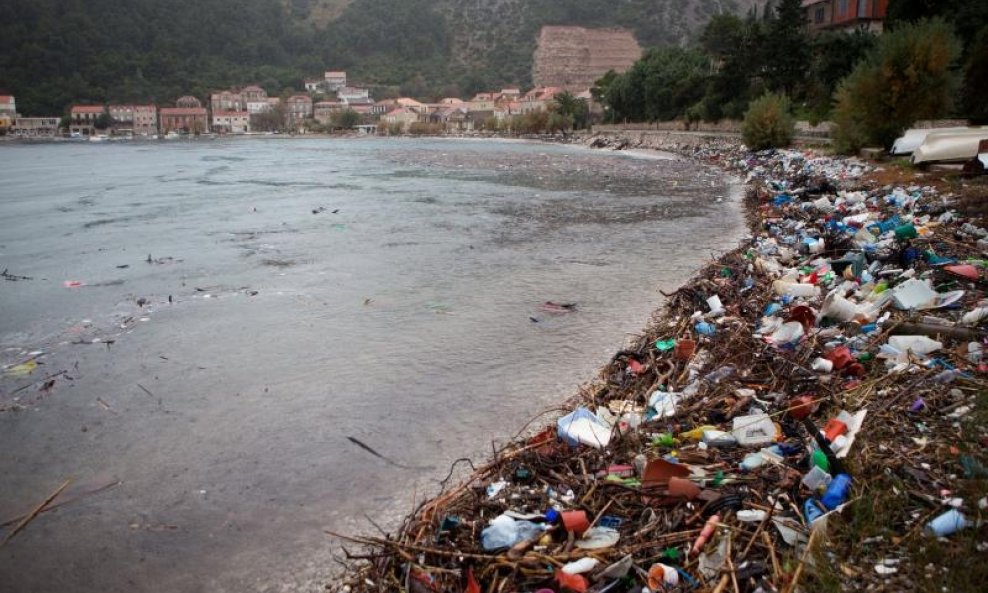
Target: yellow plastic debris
22	370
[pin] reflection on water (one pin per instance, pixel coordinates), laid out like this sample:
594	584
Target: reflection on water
246	306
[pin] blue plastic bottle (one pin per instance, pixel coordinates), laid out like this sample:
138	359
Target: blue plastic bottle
837	491
811	511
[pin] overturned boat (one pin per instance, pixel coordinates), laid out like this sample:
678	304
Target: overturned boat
949	146
912	138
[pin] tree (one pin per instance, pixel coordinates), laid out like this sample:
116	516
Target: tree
787	48
660	86
967	17
908	77
577	110
975	105
345	119
738	62
103	121
272	120
835	53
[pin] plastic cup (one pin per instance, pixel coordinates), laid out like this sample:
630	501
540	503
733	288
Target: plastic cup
575	521
684	349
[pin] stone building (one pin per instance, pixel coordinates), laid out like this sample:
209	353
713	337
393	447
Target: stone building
139	120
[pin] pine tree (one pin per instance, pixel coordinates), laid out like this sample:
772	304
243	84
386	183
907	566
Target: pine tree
788	55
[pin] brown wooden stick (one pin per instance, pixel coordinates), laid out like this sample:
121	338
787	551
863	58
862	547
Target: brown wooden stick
68	499
30	516
802	562
761	526
776	571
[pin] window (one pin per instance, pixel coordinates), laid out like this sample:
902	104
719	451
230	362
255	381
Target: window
818	16
862	8
842	8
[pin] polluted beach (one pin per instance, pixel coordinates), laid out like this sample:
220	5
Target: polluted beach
515	296
827	371
227	348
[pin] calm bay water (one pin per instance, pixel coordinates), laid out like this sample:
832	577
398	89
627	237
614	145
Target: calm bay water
299	292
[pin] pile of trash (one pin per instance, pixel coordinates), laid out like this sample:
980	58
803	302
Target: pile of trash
804	412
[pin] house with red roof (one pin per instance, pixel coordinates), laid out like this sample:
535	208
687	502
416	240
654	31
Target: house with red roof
8	106
8	111
82	118
188	116
539	98
868	15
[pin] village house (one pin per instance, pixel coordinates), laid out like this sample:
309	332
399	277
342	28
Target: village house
35	127
383	106
298	108
8	112
452	118
323	110
231	122
408	102
314	85
539	98
136	120
334	80
868	15
255	99
188	116
401	116
482	102
510	94
227	101
507	109
354	95
82	119
8	106
363	110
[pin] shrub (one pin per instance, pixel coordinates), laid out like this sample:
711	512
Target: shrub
908	77
767	123
424	129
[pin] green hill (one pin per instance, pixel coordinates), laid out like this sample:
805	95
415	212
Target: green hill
55	52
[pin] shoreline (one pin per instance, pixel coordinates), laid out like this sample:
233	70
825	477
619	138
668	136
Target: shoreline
430	551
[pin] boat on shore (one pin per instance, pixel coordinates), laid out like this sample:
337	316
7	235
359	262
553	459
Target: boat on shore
912	138
951	146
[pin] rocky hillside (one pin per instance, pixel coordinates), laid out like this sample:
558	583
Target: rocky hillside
54	52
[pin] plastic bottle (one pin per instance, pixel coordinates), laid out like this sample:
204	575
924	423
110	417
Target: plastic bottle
505	532
837	491
820	460
811	511
947	523
947	376
752	461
